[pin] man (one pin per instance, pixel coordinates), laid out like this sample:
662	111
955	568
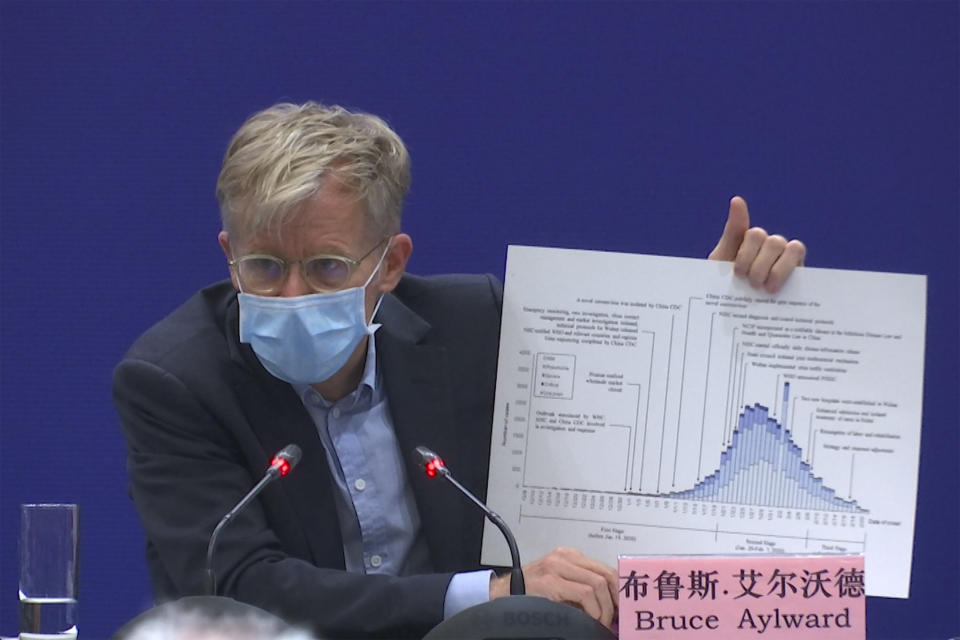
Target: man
353	543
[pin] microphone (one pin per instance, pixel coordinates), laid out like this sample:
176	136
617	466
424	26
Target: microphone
519	616
434	466
282	464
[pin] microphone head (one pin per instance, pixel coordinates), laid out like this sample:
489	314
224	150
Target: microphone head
430	461
287	459
423	454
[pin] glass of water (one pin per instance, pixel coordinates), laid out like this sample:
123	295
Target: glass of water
49	551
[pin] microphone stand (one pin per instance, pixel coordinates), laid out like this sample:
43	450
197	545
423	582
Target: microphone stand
517	586
281	465
519	616
211	546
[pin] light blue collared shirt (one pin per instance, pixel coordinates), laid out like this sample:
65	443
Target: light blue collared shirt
379	522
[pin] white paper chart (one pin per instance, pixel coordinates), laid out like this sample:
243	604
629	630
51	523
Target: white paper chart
650	405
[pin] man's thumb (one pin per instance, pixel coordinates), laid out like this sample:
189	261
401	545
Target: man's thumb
738	221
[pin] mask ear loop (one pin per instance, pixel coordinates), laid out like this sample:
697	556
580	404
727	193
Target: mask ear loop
379	263
383	255
376	308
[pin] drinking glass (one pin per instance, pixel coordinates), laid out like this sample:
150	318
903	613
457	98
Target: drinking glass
49	550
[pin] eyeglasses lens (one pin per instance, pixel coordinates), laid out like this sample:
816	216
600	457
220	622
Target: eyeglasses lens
326	273
261	274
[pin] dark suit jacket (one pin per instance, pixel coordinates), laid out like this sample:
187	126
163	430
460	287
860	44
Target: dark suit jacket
202	419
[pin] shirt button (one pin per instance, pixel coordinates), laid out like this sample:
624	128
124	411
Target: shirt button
360	484
375	561
335	412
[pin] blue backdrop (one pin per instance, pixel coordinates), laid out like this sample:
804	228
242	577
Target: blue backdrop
622	126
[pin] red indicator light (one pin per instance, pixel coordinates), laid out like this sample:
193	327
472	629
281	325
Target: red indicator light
433	466
281	464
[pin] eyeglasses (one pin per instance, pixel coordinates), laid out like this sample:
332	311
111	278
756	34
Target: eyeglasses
264	274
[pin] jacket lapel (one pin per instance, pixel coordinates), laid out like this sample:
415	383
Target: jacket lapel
417	380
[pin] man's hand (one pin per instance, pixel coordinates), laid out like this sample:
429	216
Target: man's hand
765	260
566	575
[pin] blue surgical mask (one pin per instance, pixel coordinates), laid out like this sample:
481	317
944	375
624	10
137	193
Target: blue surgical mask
306	339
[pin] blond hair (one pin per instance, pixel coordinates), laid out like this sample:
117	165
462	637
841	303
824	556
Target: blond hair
283	155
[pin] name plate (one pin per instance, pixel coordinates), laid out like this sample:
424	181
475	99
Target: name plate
769	597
